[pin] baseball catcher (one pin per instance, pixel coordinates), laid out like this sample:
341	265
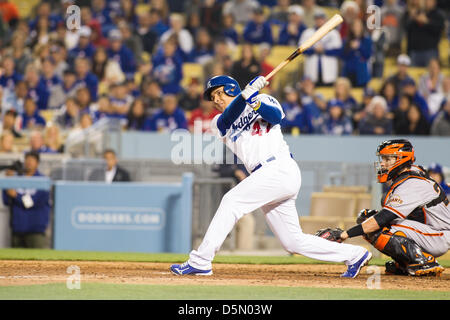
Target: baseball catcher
413	226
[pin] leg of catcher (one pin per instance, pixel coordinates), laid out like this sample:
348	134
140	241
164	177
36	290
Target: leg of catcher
406	252
283	220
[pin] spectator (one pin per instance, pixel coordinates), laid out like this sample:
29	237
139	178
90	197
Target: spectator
53	84
59	57
15	100
356	53
152	96
7	142
84	101
69	84
157	24
360	110
84	48
431	86
121	100
37	143
19	51
182	36
10	13
120	53
9	76
108	71
169	118
350	12
131	40
265	66
229	32
400	114
85	78
240	10
335	122
321	62
247	67
69	114
10	123
403	63
113	172
136	116
30	117
292	30
417	123
343	93
99	61
280	12
437	174
190	99
376	121
44	13
167	68
441	124
258	30
316	111
102	14
296	118
424	27
201	117
127	12
409	88
221	57
210	16
306	90
391	19
380	46
389	92
148	37
204	49
53	139
30	209
310	8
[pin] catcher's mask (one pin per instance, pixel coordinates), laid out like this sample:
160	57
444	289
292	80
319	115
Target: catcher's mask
393	156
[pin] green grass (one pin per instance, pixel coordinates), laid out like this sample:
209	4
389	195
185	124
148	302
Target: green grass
89	291
49	254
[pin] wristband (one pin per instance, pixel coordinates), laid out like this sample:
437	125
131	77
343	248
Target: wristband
257	106
355	231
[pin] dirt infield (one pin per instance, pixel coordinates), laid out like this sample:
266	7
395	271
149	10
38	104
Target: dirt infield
300	275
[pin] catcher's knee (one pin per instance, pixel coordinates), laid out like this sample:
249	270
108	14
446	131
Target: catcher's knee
399	247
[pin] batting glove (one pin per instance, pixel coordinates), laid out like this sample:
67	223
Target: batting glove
258	83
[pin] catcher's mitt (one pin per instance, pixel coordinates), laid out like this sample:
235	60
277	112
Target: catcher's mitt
330	234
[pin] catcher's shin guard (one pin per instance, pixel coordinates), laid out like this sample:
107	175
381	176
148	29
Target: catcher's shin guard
407	253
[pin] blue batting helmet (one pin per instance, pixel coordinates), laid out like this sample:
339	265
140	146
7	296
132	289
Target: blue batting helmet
230	86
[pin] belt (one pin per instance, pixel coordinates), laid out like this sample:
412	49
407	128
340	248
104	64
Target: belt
268	160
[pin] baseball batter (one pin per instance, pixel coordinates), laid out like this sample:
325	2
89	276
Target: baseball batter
250	126
413	226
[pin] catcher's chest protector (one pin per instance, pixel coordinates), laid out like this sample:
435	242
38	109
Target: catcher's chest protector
417	214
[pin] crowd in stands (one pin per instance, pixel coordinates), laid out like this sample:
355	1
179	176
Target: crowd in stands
125	61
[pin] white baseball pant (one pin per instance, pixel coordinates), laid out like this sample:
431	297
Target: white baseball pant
273	188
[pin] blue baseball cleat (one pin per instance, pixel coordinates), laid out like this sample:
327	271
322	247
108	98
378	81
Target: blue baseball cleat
187	269
353	269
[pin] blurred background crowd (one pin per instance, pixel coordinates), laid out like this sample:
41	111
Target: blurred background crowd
383	71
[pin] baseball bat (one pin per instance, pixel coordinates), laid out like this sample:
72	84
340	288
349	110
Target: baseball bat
319	34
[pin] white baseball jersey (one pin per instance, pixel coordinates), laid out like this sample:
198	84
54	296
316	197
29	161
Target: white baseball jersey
253	139
411	197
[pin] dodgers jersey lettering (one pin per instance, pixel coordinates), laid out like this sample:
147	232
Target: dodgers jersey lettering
413	194
252	138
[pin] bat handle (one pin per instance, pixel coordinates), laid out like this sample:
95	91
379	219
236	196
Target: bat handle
274	71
